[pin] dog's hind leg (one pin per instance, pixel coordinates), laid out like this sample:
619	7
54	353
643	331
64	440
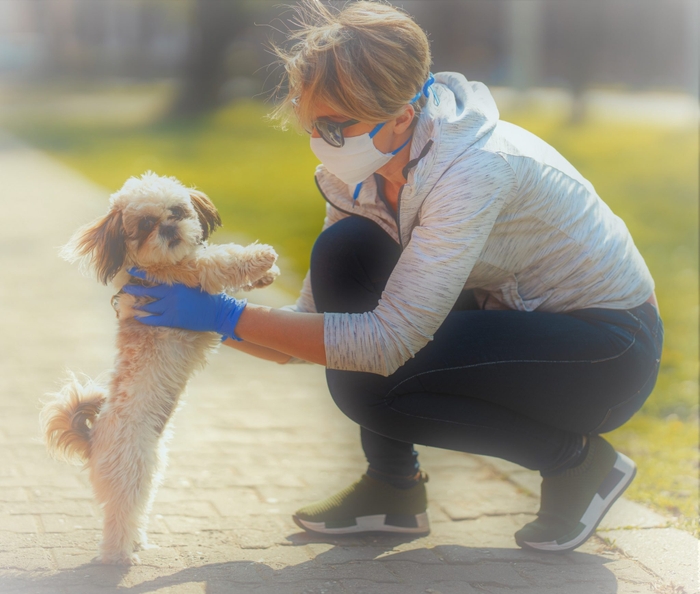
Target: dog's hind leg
121	471
161	462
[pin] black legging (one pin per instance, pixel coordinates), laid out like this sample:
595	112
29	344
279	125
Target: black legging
523	386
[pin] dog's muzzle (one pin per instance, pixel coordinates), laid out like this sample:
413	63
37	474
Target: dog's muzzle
168	232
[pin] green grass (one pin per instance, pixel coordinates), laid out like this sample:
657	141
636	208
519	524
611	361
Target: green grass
262	181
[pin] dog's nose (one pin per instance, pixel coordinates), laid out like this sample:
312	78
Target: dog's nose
168	231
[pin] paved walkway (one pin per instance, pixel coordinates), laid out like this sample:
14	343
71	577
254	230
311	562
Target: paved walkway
254	441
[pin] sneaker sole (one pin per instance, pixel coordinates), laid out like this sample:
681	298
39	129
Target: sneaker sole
614	485
376	523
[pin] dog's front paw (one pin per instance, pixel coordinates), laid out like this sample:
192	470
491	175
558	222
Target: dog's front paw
263	257
266	279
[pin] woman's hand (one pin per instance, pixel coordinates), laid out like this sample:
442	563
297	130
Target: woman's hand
179	306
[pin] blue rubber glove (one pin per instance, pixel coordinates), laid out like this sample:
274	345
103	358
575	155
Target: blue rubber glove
179	306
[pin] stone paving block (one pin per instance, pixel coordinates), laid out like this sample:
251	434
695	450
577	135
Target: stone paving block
187	524
624	587
463	555
293	495
626	514
671	554
208	540
224	586
491	498
277	557
8	469
157	525
56	480
528	480
581	588
18	523
322	462
10	541
164	557
204	556
188	588
429	585
65	507
65	523
8	494
11	582
411	552
593	548
630	571
72	557
238	575
368	570
145	578
414	552
238	502
486	531
247	478
84	539
26	559
436	513
40	494
383	541
258	539
193	509
550	576
497	573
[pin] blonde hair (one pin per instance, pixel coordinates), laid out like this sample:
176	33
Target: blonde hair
367	61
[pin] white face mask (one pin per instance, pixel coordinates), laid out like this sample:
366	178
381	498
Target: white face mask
356	160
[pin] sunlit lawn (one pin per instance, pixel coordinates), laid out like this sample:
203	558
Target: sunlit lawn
262	182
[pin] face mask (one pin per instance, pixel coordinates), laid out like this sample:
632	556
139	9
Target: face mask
356	160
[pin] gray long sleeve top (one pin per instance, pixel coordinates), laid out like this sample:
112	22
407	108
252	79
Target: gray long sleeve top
488	206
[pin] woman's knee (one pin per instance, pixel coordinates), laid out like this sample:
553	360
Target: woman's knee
350	264
358	395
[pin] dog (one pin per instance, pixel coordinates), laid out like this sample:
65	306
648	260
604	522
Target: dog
120	430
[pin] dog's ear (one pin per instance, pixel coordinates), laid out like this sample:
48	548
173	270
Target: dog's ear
209	217
100	245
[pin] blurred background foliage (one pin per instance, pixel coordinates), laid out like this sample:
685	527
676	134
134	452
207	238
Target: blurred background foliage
113	88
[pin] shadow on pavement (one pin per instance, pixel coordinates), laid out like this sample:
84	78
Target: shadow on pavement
358	565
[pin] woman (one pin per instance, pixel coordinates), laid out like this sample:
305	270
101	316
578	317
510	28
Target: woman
469	289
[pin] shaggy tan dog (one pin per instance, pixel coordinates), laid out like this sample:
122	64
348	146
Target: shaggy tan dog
120	430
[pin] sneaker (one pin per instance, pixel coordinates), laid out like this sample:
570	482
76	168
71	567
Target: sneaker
573	503
369	505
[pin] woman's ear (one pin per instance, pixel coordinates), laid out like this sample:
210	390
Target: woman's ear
100	245
405	119
209	217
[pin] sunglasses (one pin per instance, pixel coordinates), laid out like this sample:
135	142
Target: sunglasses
332	132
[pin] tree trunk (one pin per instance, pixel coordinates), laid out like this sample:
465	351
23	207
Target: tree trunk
215	25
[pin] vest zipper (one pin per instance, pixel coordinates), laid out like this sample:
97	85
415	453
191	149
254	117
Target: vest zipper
347	212
398	215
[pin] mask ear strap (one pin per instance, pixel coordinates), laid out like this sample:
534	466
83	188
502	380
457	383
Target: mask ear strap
376	129
426	90
396	152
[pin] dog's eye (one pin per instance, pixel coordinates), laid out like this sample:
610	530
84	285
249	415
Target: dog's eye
178	212
146	224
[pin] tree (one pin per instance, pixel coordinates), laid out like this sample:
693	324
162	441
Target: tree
215	25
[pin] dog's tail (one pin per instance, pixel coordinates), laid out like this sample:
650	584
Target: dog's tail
67	418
